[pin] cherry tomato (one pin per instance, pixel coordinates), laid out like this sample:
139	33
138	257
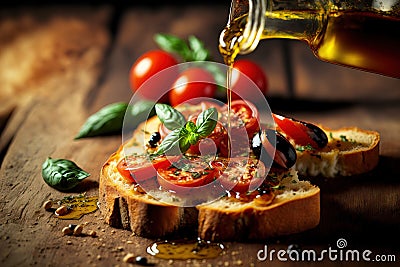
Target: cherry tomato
241	84
190	84
185	173
149	64
302	133
241	174
137	168
244	112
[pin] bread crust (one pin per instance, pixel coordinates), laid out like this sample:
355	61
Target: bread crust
258	223
361	160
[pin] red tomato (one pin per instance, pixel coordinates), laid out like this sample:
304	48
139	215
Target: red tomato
241	84
184	174
190	84
301	133
244	112
137	168
149	64
240	173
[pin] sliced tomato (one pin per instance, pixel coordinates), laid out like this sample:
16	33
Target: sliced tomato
243	113
241	174
300	132
137	168
186	173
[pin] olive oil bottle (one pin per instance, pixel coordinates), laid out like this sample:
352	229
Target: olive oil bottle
358	34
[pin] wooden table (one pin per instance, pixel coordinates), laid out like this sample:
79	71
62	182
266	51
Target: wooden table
88	68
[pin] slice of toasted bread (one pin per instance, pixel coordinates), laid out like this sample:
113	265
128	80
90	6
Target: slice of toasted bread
350	151
293	207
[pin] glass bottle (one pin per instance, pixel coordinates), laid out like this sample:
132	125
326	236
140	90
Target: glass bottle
360	34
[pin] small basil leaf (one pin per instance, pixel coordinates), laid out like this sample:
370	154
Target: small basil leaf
199	52
184	142
190	126
170	117
171	143
193	138
107	120
206	122
62	174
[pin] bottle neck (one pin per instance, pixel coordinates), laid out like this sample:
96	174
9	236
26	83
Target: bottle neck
254	26
269	19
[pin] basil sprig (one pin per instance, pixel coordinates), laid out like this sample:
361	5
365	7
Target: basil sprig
110	119
186	133
62	174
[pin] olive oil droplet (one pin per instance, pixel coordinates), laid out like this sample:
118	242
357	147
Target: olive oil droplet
183	250
78	206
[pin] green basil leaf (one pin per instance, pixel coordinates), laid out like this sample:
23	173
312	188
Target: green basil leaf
171	145
198	50
62	174
193	138
184	142
173	44
193	50
110	119
170	117
206	122
107	120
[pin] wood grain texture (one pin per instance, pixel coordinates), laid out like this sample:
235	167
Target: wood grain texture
362	209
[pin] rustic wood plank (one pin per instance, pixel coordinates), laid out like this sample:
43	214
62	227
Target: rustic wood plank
37	45
46	127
